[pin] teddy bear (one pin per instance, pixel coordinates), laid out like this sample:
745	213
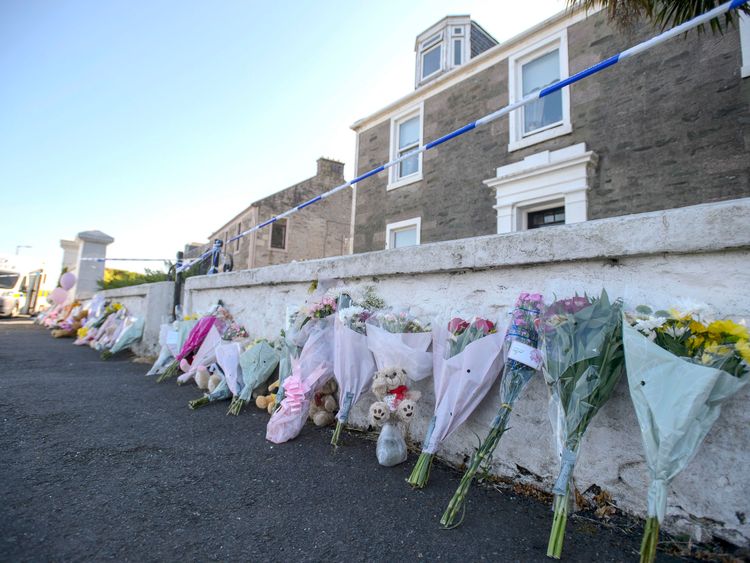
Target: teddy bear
268	402
323	406
394	397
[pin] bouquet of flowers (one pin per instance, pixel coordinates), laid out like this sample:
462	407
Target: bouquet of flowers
467	358
132	331
583	361
680	371
353	364
257	364
290	343
219	393
109	330
203	357
398	339
310	372
523	360
165	355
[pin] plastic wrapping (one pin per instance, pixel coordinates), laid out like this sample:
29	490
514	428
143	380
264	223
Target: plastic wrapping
257	364
461	381
583	362
391	447
353	365
204	356
130	333
677	402
195	337
407	350
228	358
309	373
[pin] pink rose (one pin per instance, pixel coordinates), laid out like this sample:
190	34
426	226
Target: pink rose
457	325
484	325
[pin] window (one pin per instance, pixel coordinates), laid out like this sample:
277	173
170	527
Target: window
545	218
535	75
530	71
431	61
403	233
278	234
458	47
406	136
237	241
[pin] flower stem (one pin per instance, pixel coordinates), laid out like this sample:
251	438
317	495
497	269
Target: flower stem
483	453
650	540
197	403
337	433
559	521
171	371
236	406
421	472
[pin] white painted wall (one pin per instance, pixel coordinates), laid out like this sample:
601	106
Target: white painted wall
153	302
693	254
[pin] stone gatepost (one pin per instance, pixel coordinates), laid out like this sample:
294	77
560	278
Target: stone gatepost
91	244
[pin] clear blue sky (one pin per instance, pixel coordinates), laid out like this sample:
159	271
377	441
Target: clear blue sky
156	122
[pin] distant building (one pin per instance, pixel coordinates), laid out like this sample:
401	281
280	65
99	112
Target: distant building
667	129
318	231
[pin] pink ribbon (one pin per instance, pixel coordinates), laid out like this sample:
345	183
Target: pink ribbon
294	393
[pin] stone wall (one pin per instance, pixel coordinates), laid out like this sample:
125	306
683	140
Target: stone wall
696	254
670	128
320	231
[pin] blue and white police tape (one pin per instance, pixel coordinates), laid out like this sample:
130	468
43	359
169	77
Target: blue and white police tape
559	85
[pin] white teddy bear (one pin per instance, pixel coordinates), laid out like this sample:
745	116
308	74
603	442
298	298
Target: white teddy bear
394	397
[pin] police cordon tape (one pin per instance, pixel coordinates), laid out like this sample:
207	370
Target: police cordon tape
559	85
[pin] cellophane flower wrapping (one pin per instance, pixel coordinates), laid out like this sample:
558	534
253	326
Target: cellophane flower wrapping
309	373
465	366
204	356
398	339
583	362
290	343
523	360
257	364
353	363
228	359
132	331
467	359
165	354
680	372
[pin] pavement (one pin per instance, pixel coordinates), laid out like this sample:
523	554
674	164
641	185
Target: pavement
101	463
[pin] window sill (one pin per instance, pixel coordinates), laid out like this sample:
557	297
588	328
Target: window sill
564	129
404	181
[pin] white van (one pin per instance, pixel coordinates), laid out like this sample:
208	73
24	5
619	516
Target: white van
20	287
13	290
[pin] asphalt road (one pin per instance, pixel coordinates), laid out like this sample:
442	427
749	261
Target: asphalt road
101	463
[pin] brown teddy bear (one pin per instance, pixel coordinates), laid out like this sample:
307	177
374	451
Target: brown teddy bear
394	397
268	402
323	407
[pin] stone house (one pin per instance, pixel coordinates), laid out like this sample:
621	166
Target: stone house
320	231
669	128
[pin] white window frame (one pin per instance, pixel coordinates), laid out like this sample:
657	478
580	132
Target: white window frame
438	45
392	228
517	140
393	179
286	237
744	25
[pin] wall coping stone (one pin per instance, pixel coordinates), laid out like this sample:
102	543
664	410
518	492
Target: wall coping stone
710	227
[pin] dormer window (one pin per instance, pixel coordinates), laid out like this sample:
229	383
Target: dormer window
432	55
448	44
